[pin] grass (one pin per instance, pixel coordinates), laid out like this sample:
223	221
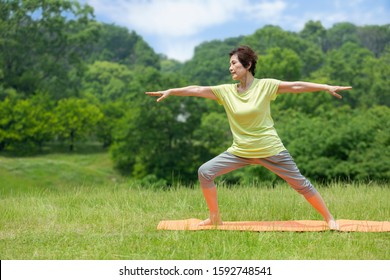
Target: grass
54	170
76	207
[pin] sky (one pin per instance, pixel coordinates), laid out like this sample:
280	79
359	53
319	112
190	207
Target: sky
175	27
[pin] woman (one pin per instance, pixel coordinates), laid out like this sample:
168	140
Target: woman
255	141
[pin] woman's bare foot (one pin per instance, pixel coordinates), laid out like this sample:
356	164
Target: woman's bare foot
333	225
211	222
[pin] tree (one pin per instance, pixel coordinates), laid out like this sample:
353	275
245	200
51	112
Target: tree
25	125
210	66
346	65
156	138
170	65
339	34
119	45
314	32
42	42
112	113
340	143
150	140
375	38
76	119
107	81
278	63
270	37
213	135
374	80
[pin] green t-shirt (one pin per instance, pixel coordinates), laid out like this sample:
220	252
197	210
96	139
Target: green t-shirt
249	115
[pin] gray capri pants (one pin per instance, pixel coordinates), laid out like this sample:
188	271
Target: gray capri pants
281	164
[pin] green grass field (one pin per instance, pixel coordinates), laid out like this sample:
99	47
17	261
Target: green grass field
76	207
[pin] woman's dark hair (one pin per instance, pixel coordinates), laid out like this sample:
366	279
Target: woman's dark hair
246	56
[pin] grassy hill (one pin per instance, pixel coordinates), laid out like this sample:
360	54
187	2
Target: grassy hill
56	170
64	206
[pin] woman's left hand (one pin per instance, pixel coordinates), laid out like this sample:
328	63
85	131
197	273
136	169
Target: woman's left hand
161	94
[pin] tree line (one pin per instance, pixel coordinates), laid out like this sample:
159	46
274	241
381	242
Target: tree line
65	78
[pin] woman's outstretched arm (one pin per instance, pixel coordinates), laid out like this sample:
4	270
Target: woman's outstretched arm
198	91
299	87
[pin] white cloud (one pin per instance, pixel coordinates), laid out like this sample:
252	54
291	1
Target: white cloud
175	27
181	48
175	24
269	11
175	18
347	11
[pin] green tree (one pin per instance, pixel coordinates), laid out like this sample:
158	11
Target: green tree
346	66
339	34
170	65
375	38
25	125
112	113
341	143
76	119
374	81
42	45
270	37
314	32
210	64
107	81
278	63
119	45
7	135
156	138
213	134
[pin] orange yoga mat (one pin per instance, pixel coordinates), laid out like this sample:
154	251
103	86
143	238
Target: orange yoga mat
299	225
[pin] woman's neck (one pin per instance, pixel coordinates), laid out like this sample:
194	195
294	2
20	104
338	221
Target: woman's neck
245	83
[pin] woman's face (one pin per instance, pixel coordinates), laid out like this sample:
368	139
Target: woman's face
237	70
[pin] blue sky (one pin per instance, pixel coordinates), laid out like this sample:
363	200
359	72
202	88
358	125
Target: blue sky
175	27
